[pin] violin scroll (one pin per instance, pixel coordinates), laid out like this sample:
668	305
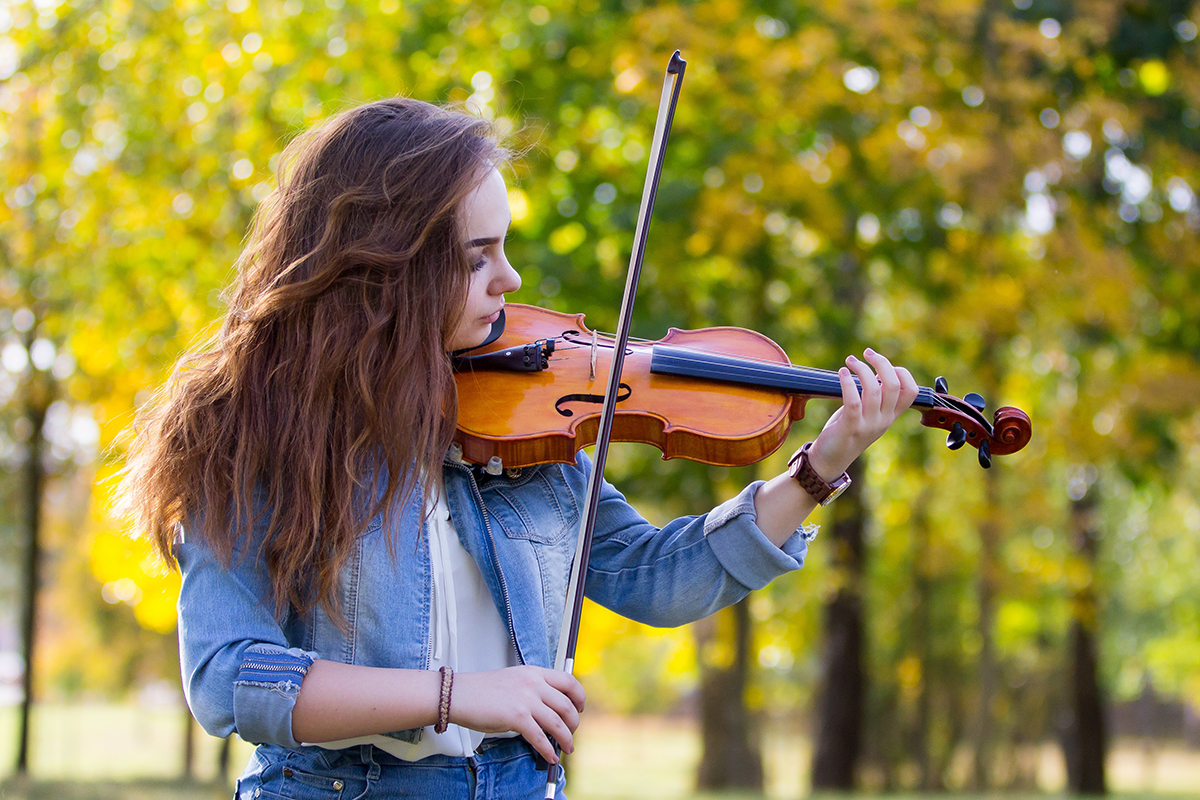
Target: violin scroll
1011	428
1009	431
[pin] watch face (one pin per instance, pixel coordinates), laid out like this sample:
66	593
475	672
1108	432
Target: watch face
836	493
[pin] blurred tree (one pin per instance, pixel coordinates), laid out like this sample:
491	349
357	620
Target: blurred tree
731	755
35	307
1087	739
1001	192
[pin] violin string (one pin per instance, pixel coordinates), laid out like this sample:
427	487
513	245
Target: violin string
690	349
822	382
828	380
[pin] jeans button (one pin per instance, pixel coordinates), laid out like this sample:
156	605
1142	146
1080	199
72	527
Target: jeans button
287	772
258	791
337	785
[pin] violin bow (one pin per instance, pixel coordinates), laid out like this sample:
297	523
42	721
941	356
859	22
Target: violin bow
568	636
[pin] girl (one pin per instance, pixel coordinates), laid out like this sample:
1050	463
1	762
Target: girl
378	616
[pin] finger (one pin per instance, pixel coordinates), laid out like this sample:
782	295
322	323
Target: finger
889	381
908	390
568	685
869	383
563	706
851	399
553	725
532	732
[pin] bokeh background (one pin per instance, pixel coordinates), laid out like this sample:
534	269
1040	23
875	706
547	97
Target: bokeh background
1002	192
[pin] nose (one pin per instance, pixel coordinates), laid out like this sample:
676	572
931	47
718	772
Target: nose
507	279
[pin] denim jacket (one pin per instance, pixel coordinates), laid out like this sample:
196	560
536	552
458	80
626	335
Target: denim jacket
243	667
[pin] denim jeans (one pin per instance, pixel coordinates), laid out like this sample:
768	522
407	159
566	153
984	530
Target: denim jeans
502	769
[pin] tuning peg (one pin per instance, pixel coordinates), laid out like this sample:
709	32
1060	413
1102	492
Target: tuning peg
957	437
975	400
940	385
985	454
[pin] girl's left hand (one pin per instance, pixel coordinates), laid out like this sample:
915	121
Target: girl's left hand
886	394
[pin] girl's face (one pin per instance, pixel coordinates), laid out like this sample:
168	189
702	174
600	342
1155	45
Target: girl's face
485	218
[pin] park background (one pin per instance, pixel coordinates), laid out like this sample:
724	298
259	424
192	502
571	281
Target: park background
998	191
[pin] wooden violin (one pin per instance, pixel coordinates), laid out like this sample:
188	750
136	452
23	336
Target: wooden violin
723	396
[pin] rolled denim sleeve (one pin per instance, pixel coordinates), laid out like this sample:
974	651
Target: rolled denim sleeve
239	671
732	531
689	568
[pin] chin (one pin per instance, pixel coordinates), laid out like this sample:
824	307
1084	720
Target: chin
476	337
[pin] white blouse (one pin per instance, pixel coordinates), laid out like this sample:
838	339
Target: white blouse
467	635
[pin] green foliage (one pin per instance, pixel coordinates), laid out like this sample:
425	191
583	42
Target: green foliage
1003	193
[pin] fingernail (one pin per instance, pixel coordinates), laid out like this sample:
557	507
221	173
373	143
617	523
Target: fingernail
850	359
870	352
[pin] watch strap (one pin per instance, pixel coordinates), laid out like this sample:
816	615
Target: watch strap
800	468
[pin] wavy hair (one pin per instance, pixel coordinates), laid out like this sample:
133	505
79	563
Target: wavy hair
327	393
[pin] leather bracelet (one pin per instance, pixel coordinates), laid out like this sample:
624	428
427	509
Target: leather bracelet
444	700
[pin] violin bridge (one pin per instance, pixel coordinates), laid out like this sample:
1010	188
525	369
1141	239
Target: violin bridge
592	374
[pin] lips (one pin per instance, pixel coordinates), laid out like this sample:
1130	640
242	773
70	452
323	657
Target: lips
490	318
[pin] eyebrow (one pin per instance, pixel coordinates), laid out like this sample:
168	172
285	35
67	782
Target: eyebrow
489	240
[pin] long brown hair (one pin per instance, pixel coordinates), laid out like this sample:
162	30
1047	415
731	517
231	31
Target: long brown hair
329	378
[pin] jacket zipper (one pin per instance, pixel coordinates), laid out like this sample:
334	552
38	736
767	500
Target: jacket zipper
432	601
271	667
512	633
420	732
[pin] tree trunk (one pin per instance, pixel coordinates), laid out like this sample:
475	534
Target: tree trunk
989	535
35	478
189	745
922	639
1086	742
731	757
841	701
223	760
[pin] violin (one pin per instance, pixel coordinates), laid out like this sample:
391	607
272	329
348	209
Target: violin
723	396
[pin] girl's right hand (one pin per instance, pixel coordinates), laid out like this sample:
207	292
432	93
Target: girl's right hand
531	701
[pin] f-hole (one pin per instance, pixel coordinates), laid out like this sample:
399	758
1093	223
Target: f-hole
624	391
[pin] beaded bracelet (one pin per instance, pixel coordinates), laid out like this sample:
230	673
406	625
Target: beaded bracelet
444	703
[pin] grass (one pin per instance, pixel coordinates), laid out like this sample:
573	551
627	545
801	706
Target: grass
129	752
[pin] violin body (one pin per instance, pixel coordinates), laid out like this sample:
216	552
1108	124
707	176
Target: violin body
731	415
519	416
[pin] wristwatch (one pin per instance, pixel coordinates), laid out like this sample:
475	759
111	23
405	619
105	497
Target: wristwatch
800	468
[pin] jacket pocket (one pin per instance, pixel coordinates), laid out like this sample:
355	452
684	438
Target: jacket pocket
539	506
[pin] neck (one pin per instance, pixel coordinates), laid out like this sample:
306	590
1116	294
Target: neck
666	360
